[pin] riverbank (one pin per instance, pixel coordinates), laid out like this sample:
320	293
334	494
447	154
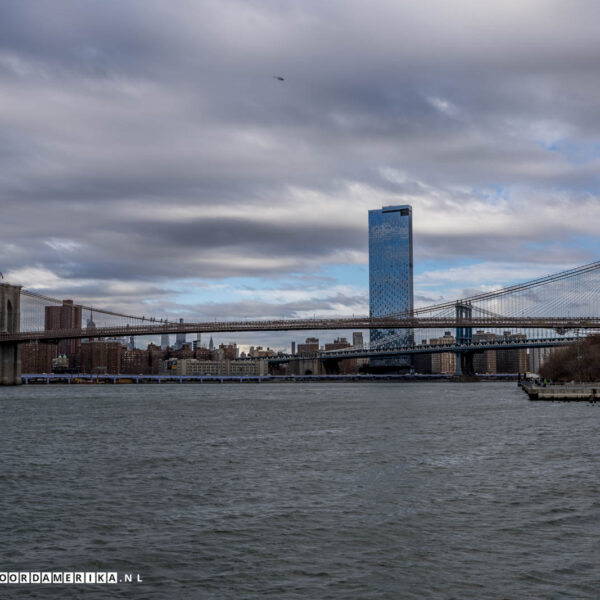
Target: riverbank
84	379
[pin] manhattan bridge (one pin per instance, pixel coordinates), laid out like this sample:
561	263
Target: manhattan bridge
555	310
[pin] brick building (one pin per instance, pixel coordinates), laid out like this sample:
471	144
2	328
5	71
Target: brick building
102	356
37	358
66	316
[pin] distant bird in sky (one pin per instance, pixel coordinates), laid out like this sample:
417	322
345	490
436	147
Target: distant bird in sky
278	78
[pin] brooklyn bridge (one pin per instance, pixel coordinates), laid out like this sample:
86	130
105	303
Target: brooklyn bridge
554	310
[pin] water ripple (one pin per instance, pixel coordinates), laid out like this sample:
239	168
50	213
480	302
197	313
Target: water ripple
317	491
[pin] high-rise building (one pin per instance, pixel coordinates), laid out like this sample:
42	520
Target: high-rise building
390	271
90	328
179	339
357	338
197	343
67	316
165	341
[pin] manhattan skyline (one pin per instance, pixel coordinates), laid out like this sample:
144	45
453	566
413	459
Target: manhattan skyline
148	152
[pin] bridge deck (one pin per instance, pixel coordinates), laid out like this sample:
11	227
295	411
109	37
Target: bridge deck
560	324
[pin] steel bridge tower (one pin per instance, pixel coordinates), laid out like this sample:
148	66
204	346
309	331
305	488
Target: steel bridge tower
10	322
464	335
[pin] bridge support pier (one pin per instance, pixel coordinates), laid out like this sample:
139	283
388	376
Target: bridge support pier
10	322
464	364
305	366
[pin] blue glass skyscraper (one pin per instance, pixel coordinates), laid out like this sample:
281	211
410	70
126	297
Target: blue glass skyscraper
390	269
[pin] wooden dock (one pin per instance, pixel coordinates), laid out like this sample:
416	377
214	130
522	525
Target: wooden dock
568	392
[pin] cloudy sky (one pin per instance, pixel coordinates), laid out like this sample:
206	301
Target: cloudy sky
150	161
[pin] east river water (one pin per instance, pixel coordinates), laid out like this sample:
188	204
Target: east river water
301	491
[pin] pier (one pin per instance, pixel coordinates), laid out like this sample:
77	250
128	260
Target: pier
566	393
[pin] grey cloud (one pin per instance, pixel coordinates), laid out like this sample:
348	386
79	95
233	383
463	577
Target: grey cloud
136	104
511	248
255	237
260	309
108	244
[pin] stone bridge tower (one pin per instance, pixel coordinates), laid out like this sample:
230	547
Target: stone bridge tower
10	322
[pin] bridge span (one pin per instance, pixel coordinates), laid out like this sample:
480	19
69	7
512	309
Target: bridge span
559	324
482	346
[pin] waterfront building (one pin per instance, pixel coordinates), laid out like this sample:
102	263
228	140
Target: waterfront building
135	361
249	367
102	356
36	357
195	367
390	274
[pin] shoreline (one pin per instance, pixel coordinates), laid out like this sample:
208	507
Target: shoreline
80	379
